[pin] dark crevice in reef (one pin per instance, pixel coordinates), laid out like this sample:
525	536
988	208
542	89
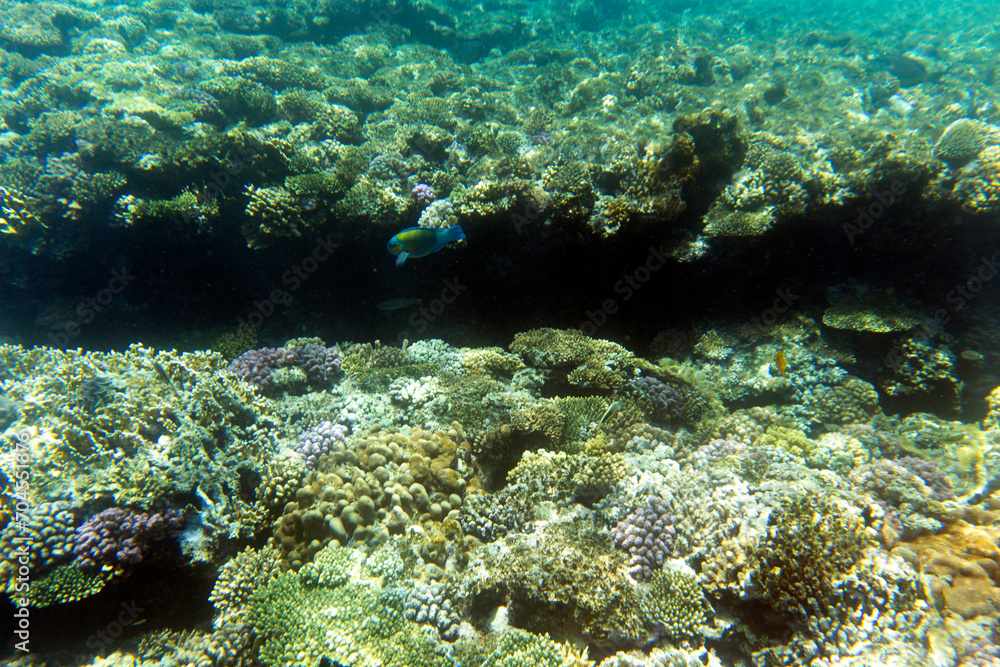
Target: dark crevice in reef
154	596
497	284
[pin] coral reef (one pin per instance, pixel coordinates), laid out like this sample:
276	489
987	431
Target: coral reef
647	534
321	440
809	543
117	538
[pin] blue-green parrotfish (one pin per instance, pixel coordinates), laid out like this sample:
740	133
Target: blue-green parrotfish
422	241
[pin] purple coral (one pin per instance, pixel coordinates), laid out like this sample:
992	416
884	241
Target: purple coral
720	449
320	440
320	364
423	193
932	475
647	534
667	399
255	366
119	536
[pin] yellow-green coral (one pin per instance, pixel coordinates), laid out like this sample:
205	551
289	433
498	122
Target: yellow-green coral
149	407
675	603
16	214
517	648
64	584
185	207
239	578
810	543
233	343
979	188
491	360
344	611
587	362
275	211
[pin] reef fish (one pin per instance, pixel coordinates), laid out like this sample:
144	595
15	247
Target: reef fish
422	241
780	364
395	304
908	71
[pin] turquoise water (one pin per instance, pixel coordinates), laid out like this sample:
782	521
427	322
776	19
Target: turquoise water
442	333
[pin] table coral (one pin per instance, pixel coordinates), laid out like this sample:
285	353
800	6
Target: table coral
586	362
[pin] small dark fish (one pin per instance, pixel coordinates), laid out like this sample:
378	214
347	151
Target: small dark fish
160	371
327	662
909	71
390	305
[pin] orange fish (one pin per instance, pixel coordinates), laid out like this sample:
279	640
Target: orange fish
780	363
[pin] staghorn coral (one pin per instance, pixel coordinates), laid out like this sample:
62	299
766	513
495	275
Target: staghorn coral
568	477
518	648
584	590
675	603
185	207
809	543
148	439
342	608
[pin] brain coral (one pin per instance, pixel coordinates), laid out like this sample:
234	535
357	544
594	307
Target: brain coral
964	139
